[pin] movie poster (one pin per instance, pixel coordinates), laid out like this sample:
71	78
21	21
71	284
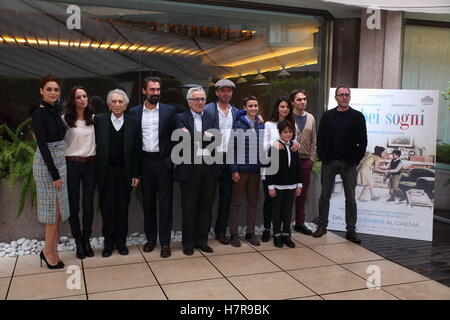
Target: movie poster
395	191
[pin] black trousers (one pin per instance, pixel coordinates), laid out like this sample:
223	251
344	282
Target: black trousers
225	193
267	209
114	201
197	195
282	211
81	174
349	177
156	180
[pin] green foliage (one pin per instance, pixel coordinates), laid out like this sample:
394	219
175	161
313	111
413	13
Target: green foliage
16	162
316	167
446	95
443	152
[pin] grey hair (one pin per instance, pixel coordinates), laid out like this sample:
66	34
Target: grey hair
118	91
192	90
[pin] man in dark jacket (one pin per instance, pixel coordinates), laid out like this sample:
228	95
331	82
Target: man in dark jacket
341	144
156	123
224	113
197	178
116	137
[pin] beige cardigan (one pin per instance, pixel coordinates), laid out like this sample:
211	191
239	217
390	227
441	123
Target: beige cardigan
307	138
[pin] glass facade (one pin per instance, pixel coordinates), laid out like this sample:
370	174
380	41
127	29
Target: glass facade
426	65
103	45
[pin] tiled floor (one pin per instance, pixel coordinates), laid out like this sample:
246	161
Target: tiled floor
328	268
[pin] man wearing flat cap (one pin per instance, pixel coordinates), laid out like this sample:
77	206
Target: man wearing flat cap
224	114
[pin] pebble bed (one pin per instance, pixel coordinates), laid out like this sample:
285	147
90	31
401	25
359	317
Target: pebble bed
23	246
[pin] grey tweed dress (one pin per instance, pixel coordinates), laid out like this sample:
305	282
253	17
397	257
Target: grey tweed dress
46	192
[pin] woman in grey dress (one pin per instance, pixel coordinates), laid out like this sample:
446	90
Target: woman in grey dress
49	169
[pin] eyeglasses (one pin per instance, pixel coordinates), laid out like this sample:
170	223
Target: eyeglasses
198	99
343	95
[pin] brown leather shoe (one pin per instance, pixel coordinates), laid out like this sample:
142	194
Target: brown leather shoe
165	252
319	232
223	239
353	237
149	246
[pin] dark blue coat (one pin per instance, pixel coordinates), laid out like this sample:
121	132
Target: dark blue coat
244	159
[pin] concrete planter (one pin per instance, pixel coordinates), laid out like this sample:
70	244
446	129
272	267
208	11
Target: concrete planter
442	191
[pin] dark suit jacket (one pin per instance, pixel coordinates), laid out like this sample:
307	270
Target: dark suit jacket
183	171
211	108
166	126
131	143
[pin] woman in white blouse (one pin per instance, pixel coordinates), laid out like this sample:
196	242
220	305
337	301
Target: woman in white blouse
281	111
80	158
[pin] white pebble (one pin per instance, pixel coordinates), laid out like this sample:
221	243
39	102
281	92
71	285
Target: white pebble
64	239
10	250
34	241
27	252
20	241
21	253
14	244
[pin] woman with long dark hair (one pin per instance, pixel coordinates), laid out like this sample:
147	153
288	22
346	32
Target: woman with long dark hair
282	110
49	169
80	157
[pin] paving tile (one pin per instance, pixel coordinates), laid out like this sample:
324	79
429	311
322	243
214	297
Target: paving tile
4	284
346	253
427	290
31	264
366	294
44	286
119	277
80	297
391	273
297	258
228	249
176	249
329	238
241	264
172	271
309	298
269	286
213	289
145	293
7	266
115	259
329	279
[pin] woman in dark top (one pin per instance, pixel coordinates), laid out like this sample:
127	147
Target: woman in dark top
49	169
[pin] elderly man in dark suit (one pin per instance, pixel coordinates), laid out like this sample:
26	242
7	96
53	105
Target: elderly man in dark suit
116	136
197	178
156	122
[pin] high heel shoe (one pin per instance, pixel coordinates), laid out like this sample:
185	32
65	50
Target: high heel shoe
59	265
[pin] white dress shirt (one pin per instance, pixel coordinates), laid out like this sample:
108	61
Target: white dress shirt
198	127
117	122
225	127
80	140
150	127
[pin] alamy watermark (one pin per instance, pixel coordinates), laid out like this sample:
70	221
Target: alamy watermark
196	152
374	280
374	18
73	21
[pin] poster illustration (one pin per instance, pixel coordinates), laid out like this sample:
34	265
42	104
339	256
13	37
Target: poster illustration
395	191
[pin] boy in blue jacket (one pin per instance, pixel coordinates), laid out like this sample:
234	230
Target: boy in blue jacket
248	139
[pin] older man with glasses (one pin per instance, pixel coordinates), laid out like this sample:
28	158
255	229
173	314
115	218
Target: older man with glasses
341	144
197	178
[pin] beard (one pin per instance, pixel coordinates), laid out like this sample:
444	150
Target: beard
153	98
